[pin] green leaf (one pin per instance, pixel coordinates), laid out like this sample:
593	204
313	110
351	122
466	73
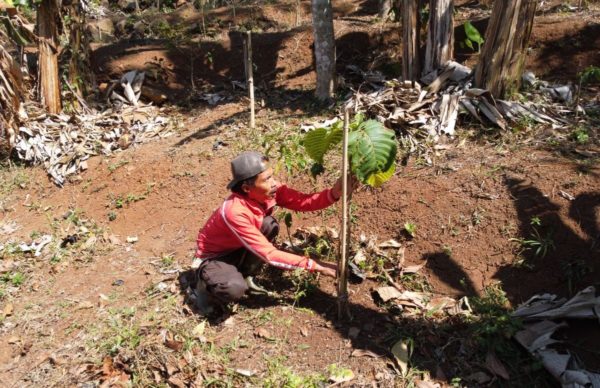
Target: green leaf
372	150
472	33
316	145
288	219
320	140
469	44
379	178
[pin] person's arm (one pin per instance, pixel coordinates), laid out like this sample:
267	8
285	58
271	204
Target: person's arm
252	239
295	200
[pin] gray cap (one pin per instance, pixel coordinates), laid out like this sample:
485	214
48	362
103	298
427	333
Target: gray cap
246	165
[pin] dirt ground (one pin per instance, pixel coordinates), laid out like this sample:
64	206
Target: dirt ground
109	310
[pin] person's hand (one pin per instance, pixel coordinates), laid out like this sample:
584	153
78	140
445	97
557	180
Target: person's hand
353	184
328	269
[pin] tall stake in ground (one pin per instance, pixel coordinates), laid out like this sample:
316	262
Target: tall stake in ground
250	76
342	270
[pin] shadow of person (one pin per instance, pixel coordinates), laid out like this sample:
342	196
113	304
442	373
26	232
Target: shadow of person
450	272
551	245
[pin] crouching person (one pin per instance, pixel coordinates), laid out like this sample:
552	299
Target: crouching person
238	237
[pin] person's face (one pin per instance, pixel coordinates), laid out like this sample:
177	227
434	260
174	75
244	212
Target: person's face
264	187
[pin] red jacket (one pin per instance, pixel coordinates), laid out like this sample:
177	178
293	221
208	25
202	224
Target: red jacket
236	224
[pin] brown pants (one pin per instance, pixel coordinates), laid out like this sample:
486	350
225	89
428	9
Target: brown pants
224	276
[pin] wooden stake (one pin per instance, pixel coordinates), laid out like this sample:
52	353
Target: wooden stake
249	75
342	270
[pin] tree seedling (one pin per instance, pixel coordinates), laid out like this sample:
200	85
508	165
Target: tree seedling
410	228
372	149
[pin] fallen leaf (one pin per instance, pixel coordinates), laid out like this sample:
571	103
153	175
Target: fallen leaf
174	345
400	352
171	369
304	331
440	303
261	332
245	372
85	305
412	268
390	244
89	243
494	365
132	239
199	329
364	353
8	310
229	322
400	257
176	381
359	257
107	367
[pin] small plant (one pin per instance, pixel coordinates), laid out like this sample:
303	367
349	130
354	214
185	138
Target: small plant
112	216
15	279
167	260
580	135
447	250
535	221
495	324
372	149
574	272
540	245
304	284
473	36
591	74
410	228
113	167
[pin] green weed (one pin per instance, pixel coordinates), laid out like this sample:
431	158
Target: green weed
591	74
279	375
410	228
539	244
494	326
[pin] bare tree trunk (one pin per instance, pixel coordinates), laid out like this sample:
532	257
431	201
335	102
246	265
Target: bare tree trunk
48	17
440	37
322	16
410	40
503	54
385	6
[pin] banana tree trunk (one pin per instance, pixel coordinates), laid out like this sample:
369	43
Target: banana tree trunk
11	88
322	16
503	54
48	17
440	37
410	40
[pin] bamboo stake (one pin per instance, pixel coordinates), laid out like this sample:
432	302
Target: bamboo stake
342	270
250	76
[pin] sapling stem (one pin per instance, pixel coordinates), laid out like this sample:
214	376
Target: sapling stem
342	270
